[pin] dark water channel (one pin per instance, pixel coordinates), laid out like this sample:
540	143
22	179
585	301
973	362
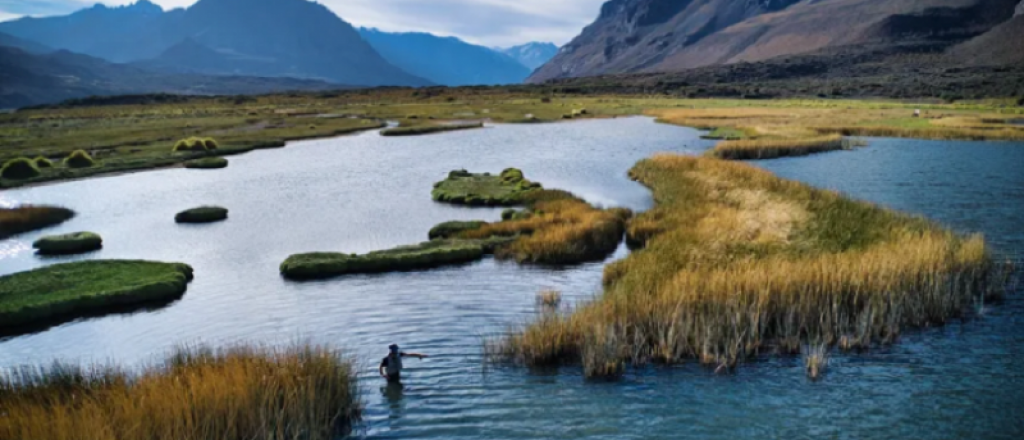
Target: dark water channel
367	192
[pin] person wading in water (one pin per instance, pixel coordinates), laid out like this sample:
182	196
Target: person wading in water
391	366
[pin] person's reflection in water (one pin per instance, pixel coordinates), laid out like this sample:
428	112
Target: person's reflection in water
393	393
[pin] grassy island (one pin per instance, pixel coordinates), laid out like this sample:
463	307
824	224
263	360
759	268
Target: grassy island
452	228
197	393
736	261
202	214
67	244
76	289
207	163
30	218
465	188
421	129
427	255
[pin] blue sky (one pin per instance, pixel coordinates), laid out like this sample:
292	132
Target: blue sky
486	22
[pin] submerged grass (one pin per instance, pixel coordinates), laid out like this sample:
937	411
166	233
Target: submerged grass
239	393
30	218
86	287
737	261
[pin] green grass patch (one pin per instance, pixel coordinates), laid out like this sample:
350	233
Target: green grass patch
207	163
30	218
74	289
452	228
426	255
202	214
416	130
67	244
464	188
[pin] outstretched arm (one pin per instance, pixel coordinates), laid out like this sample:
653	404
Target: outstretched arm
415	355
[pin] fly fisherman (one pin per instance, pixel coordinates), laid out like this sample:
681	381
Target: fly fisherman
391	366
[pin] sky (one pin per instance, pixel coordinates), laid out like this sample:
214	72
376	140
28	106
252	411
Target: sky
486	22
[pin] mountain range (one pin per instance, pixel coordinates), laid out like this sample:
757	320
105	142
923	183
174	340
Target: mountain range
293	38
31	78
531	55
634	36
446	60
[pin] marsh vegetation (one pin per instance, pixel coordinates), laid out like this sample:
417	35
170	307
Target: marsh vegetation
464	188
30	218
241	392
736	262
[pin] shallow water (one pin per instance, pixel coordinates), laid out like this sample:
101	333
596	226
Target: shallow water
367	192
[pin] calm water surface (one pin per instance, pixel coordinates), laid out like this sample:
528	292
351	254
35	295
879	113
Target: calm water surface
366	192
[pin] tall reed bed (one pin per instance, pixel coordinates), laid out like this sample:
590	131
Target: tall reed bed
774	148
240	393
737	262
561	229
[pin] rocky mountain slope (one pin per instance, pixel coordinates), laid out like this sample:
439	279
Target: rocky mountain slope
445	60
295	38
674	35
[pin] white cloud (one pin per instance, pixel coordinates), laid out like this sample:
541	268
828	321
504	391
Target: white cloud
486	22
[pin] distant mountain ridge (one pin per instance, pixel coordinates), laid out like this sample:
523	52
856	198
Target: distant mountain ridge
295	38
675	35
531	55
445	60
30	79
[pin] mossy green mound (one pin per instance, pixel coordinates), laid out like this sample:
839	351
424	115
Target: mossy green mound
20	168
207	163
79	159
426	255
74	243
86	287
202	214
428	129
43	162
452	228
465	188
194	144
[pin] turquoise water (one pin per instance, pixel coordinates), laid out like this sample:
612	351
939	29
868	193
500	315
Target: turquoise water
366	192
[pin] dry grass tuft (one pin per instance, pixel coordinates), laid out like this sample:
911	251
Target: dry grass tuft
774	148
737	261
241	393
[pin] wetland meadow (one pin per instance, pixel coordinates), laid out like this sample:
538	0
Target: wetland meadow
577	266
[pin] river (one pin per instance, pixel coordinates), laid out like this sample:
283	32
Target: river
365	192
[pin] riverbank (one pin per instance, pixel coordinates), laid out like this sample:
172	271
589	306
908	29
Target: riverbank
124	138
737	262
195	393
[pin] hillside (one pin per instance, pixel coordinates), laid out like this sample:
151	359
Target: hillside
29	79
669	35
293	38
445	60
